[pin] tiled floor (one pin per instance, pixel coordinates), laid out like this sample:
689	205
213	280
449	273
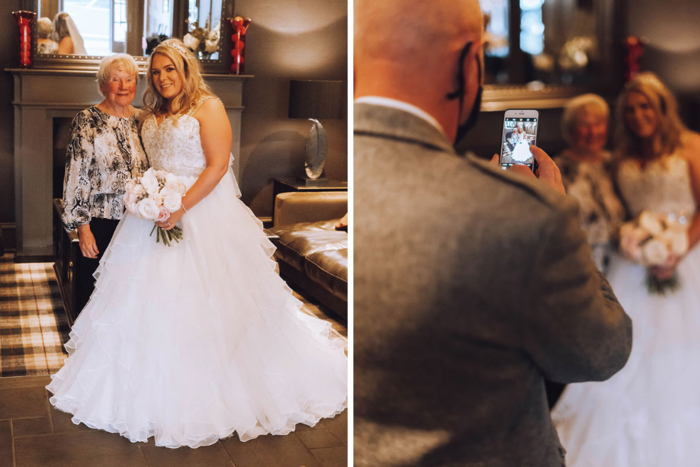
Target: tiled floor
32	433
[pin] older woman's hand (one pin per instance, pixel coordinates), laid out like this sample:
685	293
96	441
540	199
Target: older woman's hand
172	220
88	245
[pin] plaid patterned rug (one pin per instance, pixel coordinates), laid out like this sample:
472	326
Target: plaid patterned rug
34	326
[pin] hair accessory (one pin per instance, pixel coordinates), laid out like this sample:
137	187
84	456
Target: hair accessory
176	46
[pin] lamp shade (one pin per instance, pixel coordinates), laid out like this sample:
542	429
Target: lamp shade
317	99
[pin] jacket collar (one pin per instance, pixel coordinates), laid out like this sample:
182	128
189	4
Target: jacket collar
393	123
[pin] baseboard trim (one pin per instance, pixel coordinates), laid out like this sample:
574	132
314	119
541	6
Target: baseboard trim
9	234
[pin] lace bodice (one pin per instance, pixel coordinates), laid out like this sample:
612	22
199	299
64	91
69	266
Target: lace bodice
175	145
663	186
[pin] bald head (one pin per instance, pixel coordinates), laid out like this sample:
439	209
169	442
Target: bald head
409	50
414	31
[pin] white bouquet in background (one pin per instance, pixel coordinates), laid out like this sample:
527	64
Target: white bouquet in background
654	239
155	196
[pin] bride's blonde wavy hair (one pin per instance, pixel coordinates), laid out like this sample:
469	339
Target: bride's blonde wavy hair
188	69
671	129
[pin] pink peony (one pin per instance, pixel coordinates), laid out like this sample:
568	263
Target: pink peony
163	215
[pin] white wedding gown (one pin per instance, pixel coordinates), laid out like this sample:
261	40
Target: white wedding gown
521	152
648	414
193	342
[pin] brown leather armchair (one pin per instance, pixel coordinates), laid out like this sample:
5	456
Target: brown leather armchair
311	254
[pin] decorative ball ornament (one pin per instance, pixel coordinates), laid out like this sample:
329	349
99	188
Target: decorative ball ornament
24	21
239	25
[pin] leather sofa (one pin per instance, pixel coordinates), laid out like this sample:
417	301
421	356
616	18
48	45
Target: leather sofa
311	254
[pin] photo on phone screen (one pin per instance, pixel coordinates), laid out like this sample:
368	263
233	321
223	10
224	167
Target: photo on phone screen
519	133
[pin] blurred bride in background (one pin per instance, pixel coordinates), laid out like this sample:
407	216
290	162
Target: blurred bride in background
66	34
648	414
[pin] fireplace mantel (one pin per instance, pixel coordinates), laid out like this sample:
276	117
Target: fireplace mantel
39	97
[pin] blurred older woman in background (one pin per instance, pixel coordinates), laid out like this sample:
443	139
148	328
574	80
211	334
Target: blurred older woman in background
586	172
103	153
44	31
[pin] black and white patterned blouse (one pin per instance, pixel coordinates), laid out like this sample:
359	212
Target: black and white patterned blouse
601	212
103	153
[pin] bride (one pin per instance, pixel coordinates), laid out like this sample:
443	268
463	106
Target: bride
521	151
193	342
648	414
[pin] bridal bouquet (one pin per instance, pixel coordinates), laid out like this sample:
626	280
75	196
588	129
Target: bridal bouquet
653	239
154	196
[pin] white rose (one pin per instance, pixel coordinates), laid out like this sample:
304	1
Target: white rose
158	198
139	190
130	198
631	237
132	209
654	253
175	184
150	182
650	222
190	41
172	202
148	209
677	239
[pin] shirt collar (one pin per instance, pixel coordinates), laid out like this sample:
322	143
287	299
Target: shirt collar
401	105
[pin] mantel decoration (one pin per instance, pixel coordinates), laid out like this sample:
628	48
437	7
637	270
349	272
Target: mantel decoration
24	20
239	26
634	49
314	100
202	41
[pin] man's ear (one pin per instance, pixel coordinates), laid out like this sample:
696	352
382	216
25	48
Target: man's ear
474	67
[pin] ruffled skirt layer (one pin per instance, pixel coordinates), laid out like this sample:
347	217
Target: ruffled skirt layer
193	342
648	414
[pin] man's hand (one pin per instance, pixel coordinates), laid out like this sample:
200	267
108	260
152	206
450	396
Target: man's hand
88	245
547	172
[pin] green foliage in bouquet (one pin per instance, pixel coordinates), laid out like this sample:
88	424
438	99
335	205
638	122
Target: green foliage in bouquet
657	286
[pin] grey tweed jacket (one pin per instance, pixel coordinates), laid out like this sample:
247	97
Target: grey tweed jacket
471	286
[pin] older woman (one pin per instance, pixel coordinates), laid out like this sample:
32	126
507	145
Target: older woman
103	153
44	31
585	169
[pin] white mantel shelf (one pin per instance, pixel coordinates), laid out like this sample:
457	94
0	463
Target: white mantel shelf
40	96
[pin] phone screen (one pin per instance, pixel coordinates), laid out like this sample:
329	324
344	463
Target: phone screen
518	135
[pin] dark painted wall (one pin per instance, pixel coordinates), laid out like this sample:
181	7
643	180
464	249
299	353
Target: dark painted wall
290	39
9	57
673	47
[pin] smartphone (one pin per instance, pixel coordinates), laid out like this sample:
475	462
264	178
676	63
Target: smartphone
519	133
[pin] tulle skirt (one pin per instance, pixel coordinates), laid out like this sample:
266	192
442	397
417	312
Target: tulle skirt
193	342
648	414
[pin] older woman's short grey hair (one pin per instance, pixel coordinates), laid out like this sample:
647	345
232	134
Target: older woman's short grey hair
585	103
112	63
44	28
